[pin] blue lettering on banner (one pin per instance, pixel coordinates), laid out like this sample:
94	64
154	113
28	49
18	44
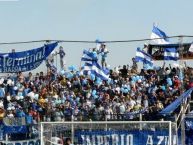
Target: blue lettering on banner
135	137
25	60
15	129
189	130
25	142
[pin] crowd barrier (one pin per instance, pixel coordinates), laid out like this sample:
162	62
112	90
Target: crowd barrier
188	132
23	142
111	132
19	130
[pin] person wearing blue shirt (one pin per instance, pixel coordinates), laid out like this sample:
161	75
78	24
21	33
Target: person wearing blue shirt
2	92
29	119
20	113
26	90
104	53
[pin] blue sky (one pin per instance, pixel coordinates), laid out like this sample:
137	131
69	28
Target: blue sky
25	20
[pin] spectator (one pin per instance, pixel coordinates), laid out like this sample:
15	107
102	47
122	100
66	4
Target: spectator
68	141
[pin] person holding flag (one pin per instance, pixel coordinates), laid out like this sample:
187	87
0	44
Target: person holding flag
92	65
144	57
102	49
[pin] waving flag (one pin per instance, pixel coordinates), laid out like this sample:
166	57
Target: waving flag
191	48
171	54
91	65
89	56
143	57
95	69
157	34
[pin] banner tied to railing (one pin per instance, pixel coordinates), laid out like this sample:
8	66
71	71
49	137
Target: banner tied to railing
125	137
22	142
189	130
25	60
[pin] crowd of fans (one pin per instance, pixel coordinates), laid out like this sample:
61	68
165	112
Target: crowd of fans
71	95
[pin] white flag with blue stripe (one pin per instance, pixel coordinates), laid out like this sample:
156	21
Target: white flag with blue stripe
91	65
171	54
95	69
142	56
159	36
89	56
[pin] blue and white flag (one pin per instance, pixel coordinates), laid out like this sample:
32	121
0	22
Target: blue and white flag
91	65
89	56
171	53
51	66
143	57
95	69
159	36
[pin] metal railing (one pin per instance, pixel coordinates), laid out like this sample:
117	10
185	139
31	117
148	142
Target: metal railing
47	128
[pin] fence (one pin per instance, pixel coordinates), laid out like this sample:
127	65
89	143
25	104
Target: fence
110	132
187	130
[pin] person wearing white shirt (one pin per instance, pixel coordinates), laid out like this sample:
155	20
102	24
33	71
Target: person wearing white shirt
131	102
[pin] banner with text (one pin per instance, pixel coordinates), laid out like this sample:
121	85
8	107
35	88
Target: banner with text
22	142
25	60
189	130
135	137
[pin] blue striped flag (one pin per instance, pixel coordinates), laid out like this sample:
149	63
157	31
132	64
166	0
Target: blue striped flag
51	66
89	56
157	34
142	56
171	54
95	69
91	65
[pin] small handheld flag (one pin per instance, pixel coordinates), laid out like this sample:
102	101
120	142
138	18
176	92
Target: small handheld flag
143	57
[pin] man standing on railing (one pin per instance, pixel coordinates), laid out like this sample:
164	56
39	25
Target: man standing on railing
62	61
104	53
